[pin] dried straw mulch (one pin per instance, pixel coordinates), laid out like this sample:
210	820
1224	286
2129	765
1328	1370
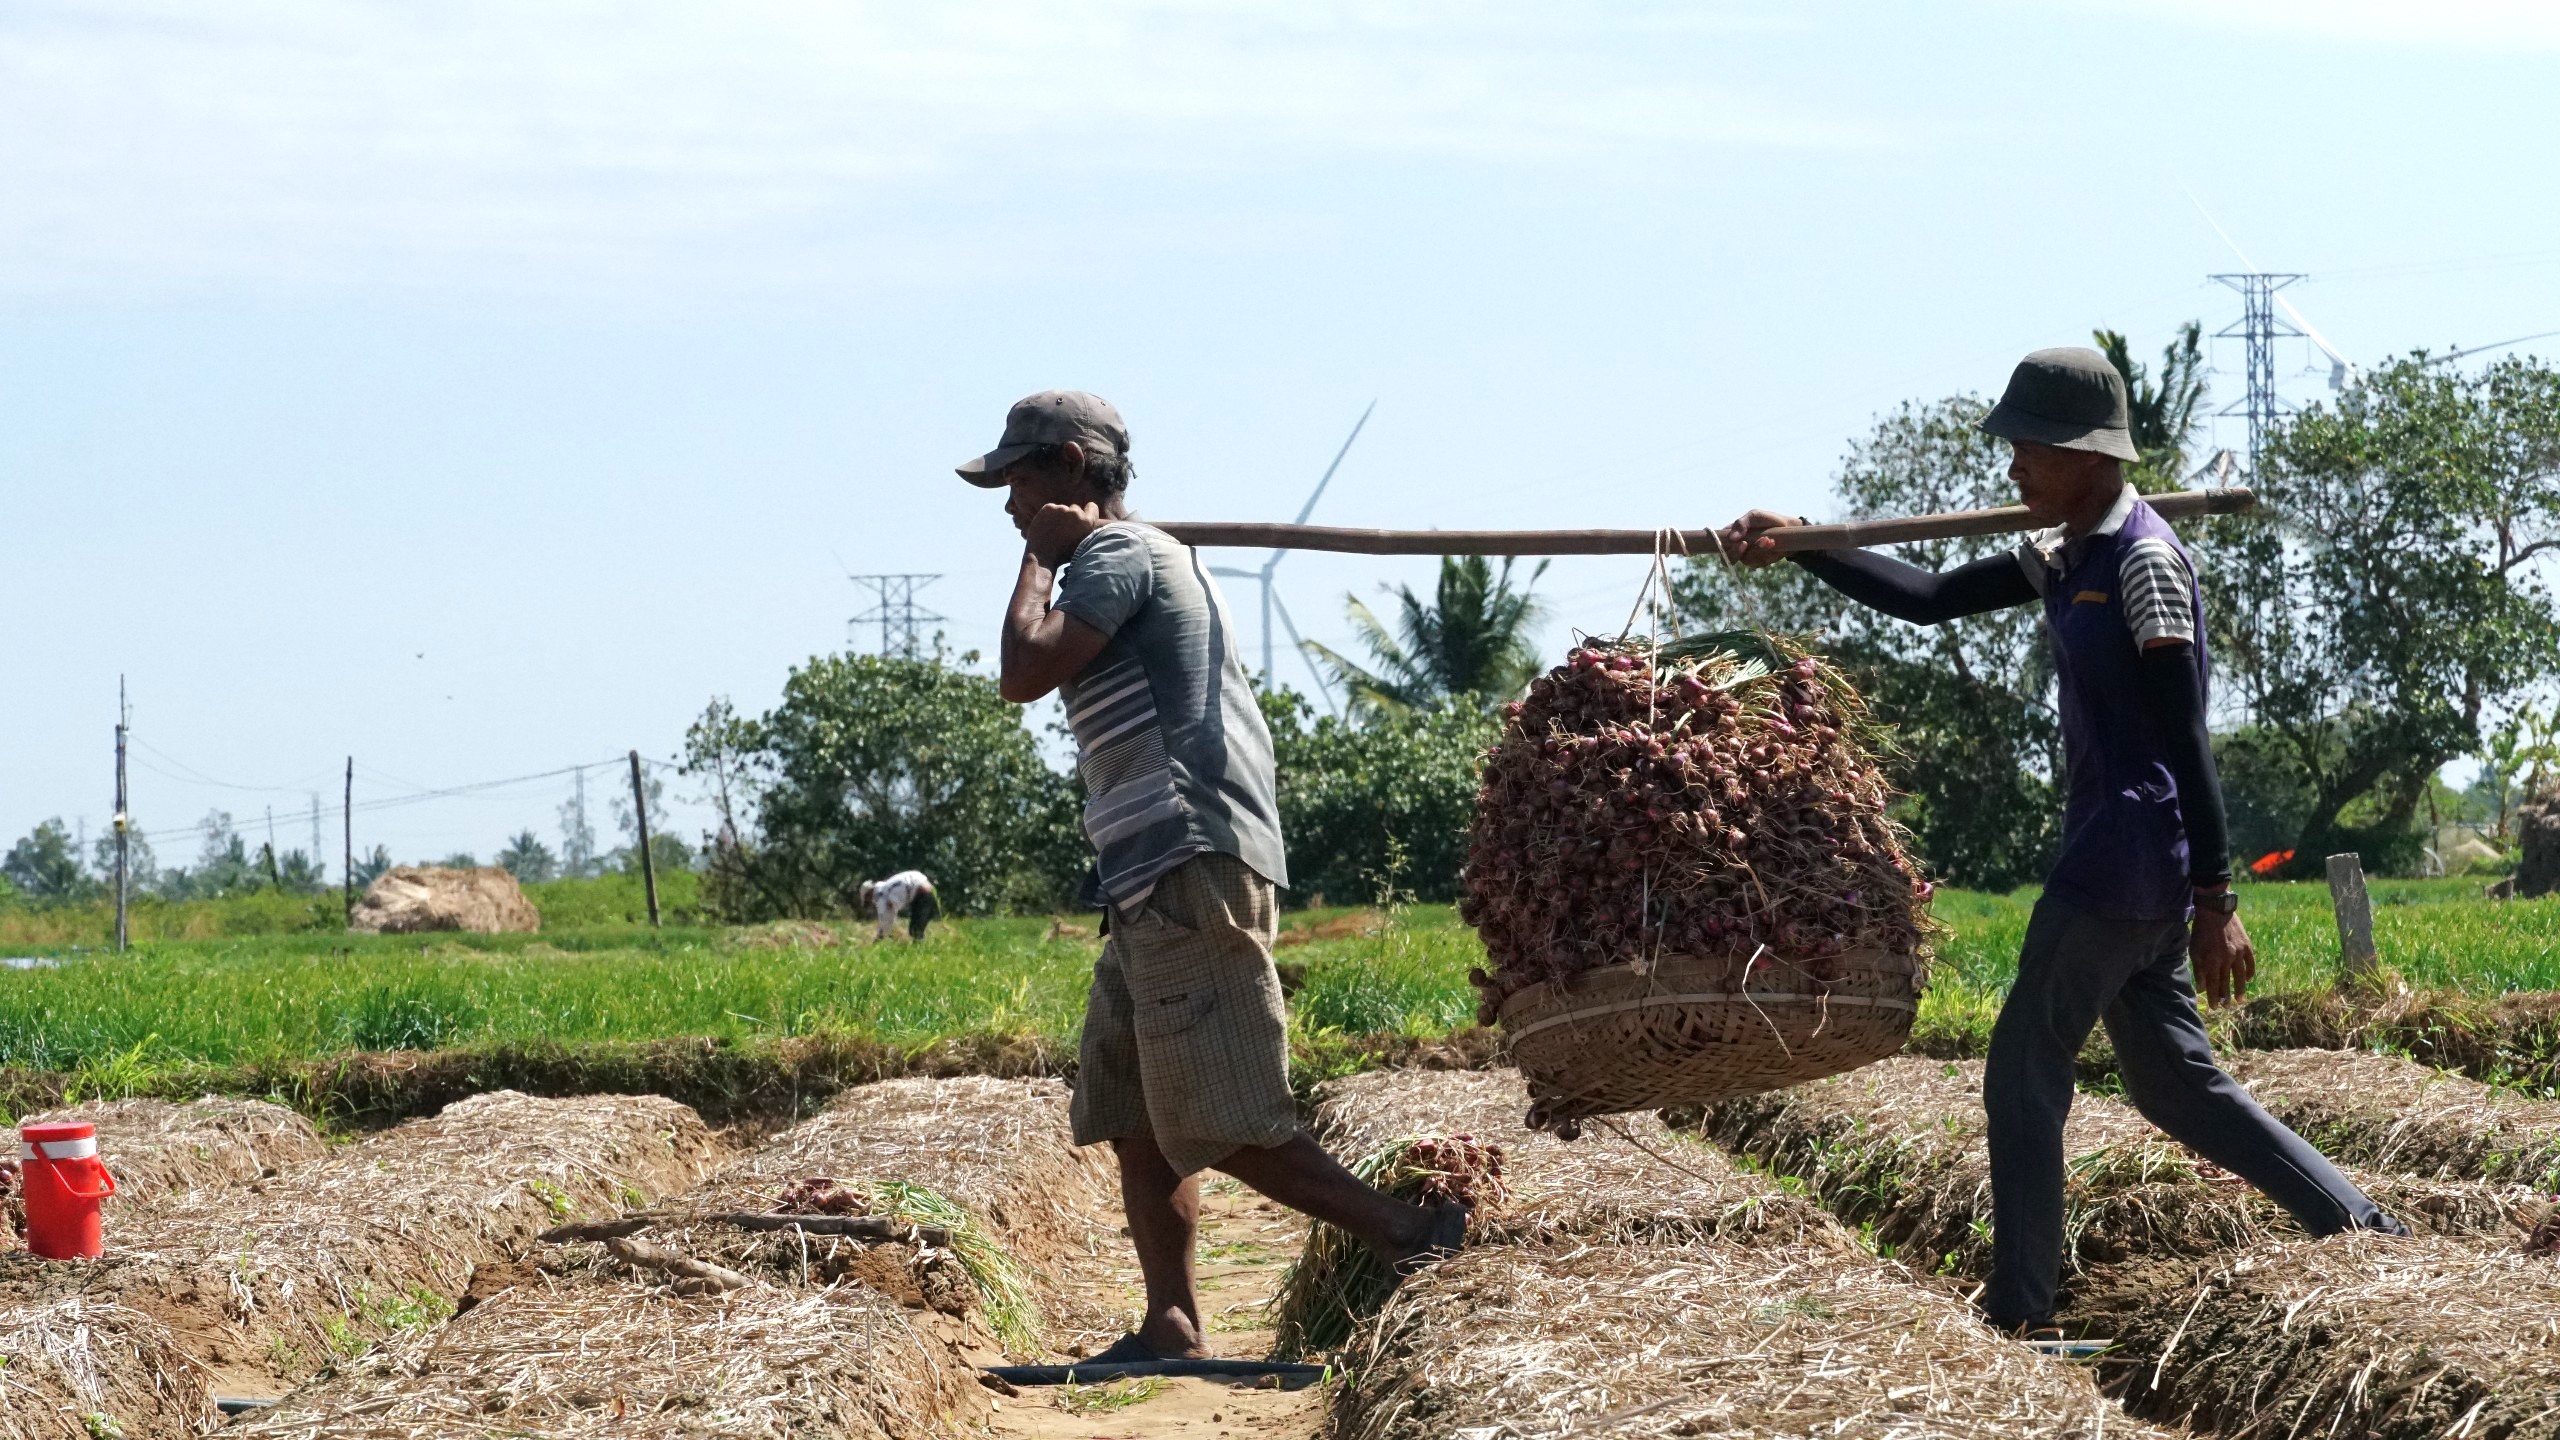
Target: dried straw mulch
2358	1335
1899	1146
1000	1148
1703	1340
73	1358
260	1289
569	1357
1628	1178
158	1149
2395	1114
1029	1202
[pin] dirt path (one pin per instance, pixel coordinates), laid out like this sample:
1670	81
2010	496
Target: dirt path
1245	1243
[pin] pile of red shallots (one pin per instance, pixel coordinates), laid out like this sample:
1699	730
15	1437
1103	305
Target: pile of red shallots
1705	798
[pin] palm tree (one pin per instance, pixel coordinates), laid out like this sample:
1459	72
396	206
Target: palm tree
2164	410
1470	639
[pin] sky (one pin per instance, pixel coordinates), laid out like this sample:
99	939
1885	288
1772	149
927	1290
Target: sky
479	389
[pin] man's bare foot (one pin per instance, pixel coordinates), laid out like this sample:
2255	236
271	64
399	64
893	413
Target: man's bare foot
1163	1337
1445	1229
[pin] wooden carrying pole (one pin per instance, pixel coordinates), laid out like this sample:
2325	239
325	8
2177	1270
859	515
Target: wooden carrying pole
2009	519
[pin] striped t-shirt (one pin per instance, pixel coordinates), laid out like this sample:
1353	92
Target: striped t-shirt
1170	740
2158	592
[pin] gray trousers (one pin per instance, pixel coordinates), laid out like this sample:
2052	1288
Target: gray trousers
2074	970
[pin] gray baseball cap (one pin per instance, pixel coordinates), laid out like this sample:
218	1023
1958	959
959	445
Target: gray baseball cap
2067	396
1051	417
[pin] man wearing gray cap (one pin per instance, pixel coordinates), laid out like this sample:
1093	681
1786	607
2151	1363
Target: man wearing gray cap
2140	894
1185	1059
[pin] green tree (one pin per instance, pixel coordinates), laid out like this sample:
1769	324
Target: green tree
667	852
2163	404
301	874
370	868
872	765
44	865
2515	759
141	867
2394	596
1470	639
1380	803
223	865
1972	700
528	859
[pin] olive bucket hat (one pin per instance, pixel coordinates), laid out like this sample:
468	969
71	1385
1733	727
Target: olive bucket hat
2068	396
1051	417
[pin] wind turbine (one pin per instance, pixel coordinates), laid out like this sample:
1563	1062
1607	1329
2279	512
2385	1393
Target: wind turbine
1271	594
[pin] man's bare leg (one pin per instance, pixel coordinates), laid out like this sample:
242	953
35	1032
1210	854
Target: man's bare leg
1164	1226
1299	1174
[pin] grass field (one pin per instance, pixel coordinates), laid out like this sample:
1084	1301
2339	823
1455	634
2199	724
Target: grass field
242	999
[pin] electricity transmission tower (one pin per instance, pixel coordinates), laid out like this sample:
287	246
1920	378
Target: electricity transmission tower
894	610
2259	328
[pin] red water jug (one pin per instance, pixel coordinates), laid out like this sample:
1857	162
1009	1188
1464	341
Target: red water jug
63	1180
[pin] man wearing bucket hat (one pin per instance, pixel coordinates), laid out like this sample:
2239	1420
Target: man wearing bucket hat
2140	894
1184	1064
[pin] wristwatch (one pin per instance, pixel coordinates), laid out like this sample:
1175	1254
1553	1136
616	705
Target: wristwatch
2225	901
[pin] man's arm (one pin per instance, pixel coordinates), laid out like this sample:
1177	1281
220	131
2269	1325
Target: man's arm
1042	648
1905	592
1922	597
2173	693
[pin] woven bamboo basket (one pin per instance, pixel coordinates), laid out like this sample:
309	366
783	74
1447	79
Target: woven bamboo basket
1687	1030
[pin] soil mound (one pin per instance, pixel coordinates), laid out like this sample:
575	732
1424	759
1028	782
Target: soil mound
262	1288
2395	1114
1710	1339
1899	1146
160	1150
1627	1178
991	1162
2359	1334
415	899
579	1355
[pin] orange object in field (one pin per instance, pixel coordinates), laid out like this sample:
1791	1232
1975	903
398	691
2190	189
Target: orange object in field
2269	863
63	1180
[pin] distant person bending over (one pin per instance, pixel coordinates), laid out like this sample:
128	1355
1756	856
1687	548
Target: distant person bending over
2142	888
907	892
1185	1064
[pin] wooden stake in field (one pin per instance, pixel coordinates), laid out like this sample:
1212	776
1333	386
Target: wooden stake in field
2006	520
2357	959
124	822
648	862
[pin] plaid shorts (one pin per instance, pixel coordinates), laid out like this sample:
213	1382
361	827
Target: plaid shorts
1186	1038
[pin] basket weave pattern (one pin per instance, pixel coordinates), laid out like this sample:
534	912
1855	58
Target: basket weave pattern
1687	1030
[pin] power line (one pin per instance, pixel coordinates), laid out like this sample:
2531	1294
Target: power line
420	797
194	776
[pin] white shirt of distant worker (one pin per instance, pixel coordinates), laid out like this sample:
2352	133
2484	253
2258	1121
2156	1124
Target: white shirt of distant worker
907	893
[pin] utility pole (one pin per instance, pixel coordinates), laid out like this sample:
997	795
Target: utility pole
648	862
319	873
2258	329
348	884
894	610
124	823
